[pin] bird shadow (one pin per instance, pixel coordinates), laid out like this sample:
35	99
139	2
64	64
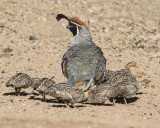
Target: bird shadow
35	94
15	94
67	106
140	93
59	105
42	100
99	104
120	100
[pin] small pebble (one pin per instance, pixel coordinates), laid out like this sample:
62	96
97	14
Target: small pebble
3	71
6	55
37	103
12	100
32	37
7	50
2	25
153	86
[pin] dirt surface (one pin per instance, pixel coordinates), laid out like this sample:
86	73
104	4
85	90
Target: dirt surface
126	30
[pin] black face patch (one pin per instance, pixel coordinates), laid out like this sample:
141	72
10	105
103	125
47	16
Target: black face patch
73	28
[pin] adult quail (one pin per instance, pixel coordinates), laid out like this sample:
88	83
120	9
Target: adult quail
20	80
67	93
42	84
84	61
121	83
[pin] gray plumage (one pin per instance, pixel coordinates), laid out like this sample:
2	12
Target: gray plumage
42	84
67	93
18	81
83	61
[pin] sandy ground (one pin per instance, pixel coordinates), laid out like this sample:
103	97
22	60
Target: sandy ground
126	30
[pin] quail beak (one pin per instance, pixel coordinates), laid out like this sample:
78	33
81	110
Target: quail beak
69	26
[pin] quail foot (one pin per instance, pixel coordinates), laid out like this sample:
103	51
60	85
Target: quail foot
42	84
19	81
83	61
69	94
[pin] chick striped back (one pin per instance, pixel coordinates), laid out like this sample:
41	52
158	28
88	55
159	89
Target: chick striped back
42	84
66	92
124	82
19	80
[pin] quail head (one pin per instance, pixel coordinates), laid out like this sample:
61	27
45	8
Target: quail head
83	61
67	93
123	81
18	81
42	84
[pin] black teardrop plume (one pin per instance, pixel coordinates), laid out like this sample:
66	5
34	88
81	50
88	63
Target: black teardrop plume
61	16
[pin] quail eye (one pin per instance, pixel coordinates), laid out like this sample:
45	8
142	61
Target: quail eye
71	25
73	28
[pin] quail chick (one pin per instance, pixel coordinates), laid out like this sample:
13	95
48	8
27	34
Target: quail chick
67	93
18	81
121	83
83	61
99	94
125	82
42	84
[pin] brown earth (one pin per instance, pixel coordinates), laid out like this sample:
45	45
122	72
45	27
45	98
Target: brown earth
126	30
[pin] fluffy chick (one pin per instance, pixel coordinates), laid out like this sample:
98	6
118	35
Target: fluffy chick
67	93
121	83
19	81
42	84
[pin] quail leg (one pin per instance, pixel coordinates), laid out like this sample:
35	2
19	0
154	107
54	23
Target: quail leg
70	103
125	100
44	97
114	102
17	90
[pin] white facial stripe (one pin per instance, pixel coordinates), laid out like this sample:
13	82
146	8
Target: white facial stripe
76	24
77	31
